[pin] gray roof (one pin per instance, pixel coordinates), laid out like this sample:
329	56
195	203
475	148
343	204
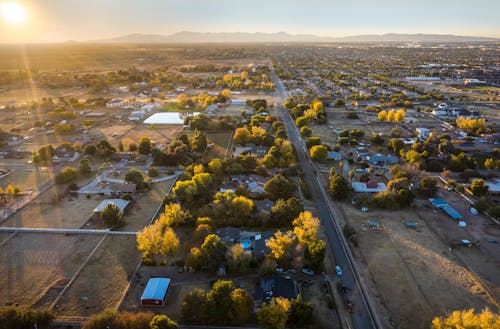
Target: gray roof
120	203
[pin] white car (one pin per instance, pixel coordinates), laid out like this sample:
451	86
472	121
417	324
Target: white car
338	269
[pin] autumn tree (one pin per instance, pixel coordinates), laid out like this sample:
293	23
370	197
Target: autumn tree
319	152
214	251
400	115
145	145
468	319
382	116
285	211
479	187
273	315
281	245
279	187
428	186
305	228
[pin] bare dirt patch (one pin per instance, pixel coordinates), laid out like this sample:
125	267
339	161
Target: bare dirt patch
32	263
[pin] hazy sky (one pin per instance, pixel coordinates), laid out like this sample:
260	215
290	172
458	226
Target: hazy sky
61	20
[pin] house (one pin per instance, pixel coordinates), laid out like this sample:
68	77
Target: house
275	286
237	102
254	183
423	133
120	203
228	235
260	249
148	107
62	153
137	115
381	159
115	103
155	293
114	188
228	186
368	187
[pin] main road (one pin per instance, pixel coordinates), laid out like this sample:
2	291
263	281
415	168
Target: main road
364	315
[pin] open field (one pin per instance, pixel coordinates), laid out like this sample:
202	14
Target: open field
30	264
104	278
415	274
132	134
26	179
49	211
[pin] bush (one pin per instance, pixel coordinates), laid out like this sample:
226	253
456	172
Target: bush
13	317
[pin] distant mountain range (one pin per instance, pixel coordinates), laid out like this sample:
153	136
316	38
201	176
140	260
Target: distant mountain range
222	37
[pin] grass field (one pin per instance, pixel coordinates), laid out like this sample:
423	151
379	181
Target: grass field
26	179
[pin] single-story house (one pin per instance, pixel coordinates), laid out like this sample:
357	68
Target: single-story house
381	159
120	203
155	293
368	187
334	156
114	188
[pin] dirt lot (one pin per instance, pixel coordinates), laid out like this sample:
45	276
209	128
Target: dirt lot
30	264
415	274
50	212
102	281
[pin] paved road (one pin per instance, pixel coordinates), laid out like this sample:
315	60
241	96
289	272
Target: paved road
363	315
61	231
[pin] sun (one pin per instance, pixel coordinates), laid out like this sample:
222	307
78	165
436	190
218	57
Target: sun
13	13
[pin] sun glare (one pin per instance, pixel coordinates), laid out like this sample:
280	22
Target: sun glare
13	13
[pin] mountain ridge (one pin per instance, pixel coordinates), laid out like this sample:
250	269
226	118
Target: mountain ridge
246	37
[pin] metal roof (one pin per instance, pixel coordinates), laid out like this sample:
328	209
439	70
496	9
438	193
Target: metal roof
156	289
120	203
451	212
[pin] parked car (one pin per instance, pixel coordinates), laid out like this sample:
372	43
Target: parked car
338	269
307	271
307	283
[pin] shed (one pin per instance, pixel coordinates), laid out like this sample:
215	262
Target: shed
155	292
450	211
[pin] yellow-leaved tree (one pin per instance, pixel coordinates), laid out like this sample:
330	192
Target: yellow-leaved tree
468	320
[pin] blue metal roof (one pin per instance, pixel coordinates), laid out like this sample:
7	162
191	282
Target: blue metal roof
156	289
451	212
439	203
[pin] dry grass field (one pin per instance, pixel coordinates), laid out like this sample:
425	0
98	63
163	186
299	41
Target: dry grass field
415	274
102	281
31	264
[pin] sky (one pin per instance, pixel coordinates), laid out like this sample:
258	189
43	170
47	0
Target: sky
85	20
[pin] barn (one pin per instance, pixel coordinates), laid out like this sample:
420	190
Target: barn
155	292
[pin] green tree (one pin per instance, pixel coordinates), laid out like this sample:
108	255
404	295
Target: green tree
134	176
338	186
219	302
279	187
145	145
428	186
194	307
479	188
305	131
285	211
199	141
66	175
111	216
301	313
214	251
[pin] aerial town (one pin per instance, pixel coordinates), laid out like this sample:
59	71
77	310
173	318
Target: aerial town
250	185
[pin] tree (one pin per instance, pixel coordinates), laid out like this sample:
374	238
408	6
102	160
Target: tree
280	245
382	116
319	152
134	176
305	228
479	188
301	313
396	144
315	255
468	319
157	239
84	167
195	259
144	145
272	315
66	175
400	115
428	186
242	136
237	258
185	191
285	211
193	307
111	216
174	215
241	307
311	141
214	251
391	115
161	321
338	186
219	302
279	187
305	131
242	207
376	139
199	141
169	243
201	232
13	317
